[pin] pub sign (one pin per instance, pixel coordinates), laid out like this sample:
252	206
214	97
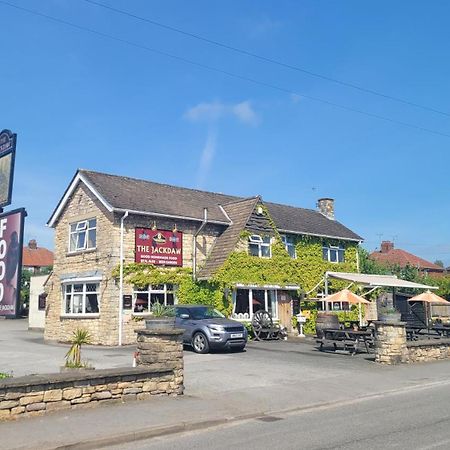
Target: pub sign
11	242
7	156
159	247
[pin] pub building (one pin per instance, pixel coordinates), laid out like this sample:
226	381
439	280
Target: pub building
102	216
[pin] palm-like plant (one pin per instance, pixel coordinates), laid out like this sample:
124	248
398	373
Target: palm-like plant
73	356
160	310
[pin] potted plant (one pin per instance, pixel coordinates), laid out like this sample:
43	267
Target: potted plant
162	317
73	356
389	315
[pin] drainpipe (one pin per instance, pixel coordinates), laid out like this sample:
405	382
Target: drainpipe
121	278
194	243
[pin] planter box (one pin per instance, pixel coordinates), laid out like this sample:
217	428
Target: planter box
160	323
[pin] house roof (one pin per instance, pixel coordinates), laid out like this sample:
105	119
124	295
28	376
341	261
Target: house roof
308	221
403	258
239	212
37	257
118	193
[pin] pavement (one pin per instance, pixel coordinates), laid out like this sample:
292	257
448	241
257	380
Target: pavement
270	378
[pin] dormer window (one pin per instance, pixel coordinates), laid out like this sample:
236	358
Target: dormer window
259	246
289	245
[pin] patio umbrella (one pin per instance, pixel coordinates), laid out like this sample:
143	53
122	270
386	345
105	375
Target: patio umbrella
349	297
429	298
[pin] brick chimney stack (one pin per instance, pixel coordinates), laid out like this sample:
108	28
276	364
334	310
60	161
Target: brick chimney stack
386	246
32	244
326	207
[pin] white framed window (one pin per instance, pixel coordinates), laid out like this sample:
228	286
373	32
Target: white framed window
247	302
83	235
144	299
81	298
260	246
333	254
289	245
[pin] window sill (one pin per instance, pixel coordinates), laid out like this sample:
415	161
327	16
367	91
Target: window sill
81	252
80	316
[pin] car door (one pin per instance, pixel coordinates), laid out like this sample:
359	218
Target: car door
185	324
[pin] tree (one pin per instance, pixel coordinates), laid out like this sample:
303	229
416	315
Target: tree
439	263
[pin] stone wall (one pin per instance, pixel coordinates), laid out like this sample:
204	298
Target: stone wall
104	326
390	343
162	347
428	350
38	394
391	346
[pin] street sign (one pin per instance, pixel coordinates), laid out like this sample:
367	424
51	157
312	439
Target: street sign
7	157
11	243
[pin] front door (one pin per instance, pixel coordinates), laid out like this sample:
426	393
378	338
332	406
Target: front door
285	310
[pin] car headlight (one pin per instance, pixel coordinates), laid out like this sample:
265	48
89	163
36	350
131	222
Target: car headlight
216	328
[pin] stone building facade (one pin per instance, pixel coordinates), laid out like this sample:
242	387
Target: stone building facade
82	293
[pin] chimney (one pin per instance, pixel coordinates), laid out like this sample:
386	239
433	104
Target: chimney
32	244
326	207
386	246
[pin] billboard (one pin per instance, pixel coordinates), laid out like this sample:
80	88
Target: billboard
11	242
158	247
7	156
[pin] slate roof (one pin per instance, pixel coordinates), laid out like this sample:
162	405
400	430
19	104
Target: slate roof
147	196
403	258
124	193
308	221
239	212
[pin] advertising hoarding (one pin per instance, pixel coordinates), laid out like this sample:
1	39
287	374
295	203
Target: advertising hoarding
158	247
11	243
7	156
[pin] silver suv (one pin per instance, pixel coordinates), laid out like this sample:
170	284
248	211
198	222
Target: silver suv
207	329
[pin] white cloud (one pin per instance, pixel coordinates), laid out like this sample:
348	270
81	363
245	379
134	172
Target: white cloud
212	112
245	113
206	159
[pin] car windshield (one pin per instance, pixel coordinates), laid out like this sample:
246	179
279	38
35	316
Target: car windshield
206	312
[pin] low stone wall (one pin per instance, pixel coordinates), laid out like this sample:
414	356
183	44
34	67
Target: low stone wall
419	351
391	346
38	394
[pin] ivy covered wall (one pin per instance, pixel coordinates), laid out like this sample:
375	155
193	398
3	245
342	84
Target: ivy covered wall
306	270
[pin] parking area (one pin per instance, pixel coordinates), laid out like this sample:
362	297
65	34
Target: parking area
276	374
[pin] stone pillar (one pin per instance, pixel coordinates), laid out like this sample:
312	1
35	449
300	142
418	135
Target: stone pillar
390	342
163	349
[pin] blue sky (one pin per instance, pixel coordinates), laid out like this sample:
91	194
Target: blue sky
79	100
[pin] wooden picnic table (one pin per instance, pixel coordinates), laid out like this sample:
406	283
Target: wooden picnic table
413	332
349	339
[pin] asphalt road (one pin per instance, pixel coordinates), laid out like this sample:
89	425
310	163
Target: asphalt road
417	419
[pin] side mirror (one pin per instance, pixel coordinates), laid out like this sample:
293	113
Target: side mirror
184	316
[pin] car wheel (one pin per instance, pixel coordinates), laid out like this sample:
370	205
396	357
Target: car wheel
200	343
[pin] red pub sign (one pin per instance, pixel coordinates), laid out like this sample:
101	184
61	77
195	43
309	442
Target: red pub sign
159	247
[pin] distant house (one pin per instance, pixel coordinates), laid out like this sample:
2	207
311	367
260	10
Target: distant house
390	256
35	258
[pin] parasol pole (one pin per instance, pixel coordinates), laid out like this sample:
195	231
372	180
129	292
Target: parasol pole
360	314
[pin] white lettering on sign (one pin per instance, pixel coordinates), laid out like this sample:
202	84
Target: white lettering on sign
3	249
